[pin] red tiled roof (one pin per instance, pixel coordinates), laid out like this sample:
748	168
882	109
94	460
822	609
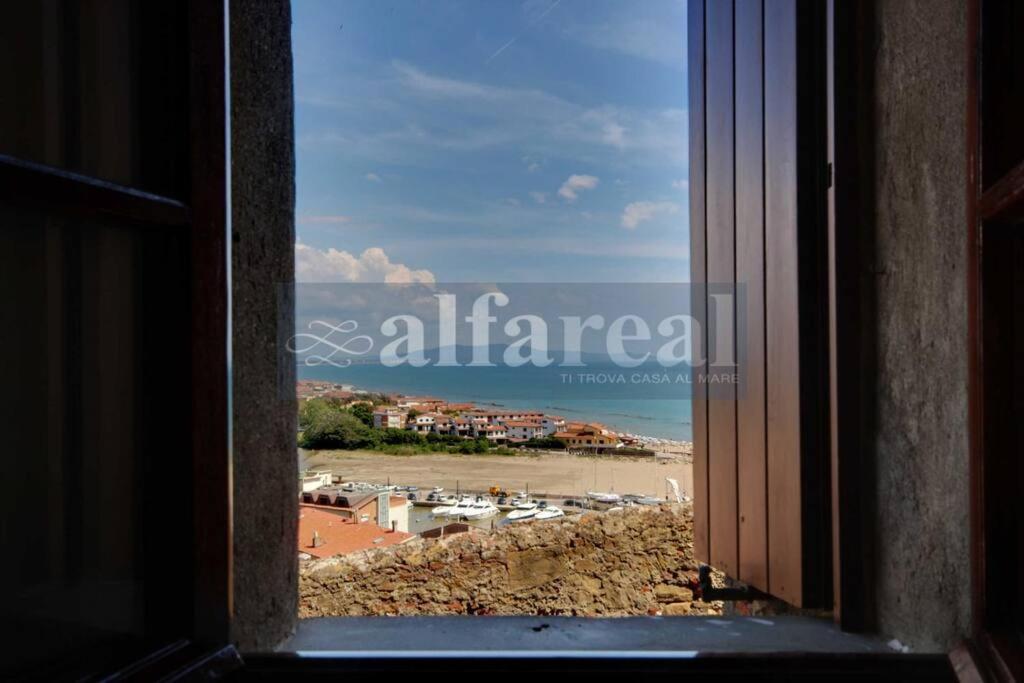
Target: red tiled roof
341	536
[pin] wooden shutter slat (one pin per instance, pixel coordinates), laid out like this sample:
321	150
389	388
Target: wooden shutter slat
721	275
698	273
761	456
750	407
782	297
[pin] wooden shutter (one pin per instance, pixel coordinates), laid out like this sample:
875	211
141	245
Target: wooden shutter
758	182
113	259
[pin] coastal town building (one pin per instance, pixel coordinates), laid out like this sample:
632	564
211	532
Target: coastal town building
524	430
421	403
586	436
324	533
443	424
552	424
389	418
311	480
493	432
497	416
372	507
462	427
423	423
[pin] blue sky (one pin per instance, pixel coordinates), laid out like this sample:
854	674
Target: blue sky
491	141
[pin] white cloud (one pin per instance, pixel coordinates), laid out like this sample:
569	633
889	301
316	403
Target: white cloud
681	184
575	183
373	177
650	31
373	265
412	118
613	134
539	197
637	212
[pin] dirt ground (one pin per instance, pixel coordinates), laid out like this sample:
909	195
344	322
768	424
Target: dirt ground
557	474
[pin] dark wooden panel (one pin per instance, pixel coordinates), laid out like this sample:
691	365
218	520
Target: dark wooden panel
853	391
750	408
28	183
698	272
1002	75
995	336
721	276
785	549
211	385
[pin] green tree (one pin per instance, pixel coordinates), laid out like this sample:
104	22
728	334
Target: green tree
363	412
310	410
337	429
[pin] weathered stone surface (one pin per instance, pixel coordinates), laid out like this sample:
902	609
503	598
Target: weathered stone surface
677	609
628	563
535	567
667	593
916	424
263	377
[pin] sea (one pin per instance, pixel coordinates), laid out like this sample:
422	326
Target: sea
645	401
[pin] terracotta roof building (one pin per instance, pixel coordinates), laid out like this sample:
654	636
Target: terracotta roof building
323	533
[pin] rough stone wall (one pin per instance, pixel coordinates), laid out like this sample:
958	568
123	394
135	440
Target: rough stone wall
263	239
635	562
920	440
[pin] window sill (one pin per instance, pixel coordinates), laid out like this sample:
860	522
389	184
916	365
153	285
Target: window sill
663	637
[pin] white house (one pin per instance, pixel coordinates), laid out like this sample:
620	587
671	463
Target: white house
523	429
424	422
552	424
493	432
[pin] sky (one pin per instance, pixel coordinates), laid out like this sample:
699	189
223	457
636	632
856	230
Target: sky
491	140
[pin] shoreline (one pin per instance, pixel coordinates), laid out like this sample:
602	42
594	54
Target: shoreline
656	443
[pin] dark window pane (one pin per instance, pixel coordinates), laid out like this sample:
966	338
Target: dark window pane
82	91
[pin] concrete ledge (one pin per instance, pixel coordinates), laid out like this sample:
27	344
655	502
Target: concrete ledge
685	636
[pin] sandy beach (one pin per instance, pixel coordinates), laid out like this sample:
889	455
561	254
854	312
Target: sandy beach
549	472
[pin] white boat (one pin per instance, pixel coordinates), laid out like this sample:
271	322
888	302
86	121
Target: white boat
550	512
604	497
521	513
437	489
480	510
453	510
